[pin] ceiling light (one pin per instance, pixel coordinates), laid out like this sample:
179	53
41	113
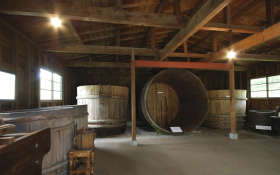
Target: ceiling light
231	54
56	22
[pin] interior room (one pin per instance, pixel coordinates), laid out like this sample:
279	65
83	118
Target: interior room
121	87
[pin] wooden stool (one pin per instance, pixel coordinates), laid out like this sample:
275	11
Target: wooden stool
81	162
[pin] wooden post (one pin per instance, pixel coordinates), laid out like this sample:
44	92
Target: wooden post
186	49
233	135
133	99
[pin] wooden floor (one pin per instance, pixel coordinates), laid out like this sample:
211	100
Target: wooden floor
204	152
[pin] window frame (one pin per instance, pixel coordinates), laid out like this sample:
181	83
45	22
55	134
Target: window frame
52	86
267	87
10	100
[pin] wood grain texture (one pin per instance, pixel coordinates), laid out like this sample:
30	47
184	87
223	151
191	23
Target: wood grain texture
107	105
201	17
25	155
163	104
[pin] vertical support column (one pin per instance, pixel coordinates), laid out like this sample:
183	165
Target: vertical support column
233	135
185	45
133	99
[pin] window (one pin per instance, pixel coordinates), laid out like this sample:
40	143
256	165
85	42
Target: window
8	86
50	85
258	88
265	87
274	86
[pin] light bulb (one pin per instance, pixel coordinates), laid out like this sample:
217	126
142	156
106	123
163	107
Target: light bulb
56	22
231	54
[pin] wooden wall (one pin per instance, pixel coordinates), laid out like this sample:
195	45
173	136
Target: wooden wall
217	80
19	55
262	70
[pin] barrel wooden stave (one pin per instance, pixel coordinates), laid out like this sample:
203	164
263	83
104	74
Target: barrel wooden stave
162	103
219	102
219	108
107	105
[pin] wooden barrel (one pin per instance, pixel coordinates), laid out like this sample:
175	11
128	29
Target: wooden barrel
219	102
219	108
62	121
174	98
107	105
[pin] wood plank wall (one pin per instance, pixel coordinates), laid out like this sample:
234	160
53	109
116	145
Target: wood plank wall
19	56
262	70
217	80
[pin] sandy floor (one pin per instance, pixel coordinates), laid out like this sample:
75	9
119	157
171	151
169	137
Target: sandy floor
205	152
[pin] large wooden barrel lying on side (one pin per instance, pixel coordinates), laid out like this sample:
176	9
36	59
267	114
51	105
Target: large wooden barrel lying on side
107	107
174	98
63	121
219	108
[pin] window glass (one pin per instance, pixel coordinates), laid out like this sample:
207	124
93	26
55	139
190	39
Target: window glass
258	88
8	86
274	86
274	79
258	81
50	85
44	74
259	94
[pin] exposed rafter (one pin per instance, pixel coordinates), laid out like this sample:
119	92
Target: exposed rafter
199	19
269	33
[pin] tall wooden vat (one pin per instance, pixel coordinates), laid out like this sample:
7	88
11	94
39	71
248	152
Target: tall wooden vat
219	108
107	107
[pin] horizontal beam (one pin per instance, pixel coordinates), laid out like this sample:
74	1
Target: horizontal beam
110	65
250	57
188	55
258	57
107	50
40	8
182	65
96	64
117	50
233	28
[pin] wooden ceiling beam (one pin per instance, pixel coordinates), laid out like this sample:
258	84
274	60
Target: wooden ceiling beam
208	10
97	64
39	8
182	65
221	27
254	57
113	50
267	34
90	14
